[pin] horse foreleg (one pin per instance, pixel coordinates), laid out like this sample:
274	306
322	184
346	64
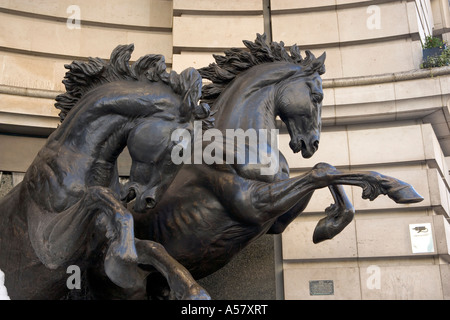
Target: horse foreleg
285	219
181	282
63	236
274	199
121	256
339	215
372	183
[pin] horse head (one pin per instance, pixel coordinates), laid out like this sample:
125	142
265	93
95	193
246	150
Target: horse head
153	101
150	144
298	95
299	105
152	169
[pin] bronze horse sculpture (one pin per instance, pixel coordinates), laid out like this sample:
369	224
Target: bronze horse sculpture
210	212
68	209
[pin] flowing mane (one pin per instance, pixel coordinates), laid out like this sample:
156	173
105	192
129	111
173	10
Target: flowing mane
85	76
259	52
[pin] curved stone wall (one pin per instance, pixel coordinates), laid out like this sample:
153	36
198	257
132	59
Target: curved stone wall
38	38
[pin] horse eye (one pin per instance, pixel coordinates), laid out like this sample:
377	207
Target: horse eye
317	97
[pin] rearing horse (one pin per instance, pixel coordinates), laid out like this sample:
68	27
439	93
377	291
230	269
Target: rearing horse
212	211
68	209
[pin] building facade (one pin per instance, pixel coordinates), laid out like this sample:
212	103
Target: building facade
380	112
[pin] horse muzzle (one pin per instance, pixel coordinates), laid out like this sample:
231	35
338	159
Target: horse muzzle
307	148
146	200
143	200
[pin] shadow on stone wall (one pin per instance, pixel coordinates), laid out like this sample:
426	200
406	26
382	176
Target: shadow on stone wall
249	276
6	183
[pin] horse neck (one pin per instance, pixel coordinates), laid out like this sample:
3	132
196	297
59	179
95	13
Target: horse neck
109	112
249	101
92	148
254	111
97	129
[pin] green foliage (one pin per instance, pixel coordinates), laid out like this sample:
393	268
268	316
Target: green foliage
438	61
432	42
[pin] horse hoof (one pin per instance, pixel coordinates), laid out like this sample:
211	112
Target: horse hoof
336	220
405	193
321	231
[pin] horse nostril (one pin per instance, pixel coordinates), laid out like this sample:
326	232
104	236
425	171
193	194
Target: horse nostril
316	144
151	203
130	195
302	144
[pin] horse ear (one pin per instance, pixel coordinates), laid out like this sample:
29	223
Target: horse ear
202	111
314	64
319	63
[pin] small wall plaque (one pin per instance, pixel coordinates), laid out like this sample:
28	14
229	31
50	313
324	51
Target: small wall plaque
421	238
321	287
